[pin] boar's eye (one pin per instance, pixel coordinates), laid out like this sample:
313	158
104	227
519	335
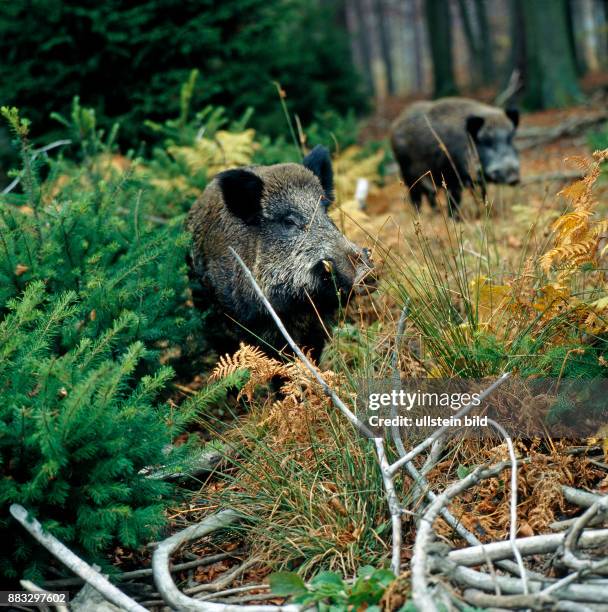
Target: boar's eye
290	222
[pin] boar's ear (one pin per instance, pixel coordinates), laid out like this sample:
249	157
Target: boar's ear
474	124
242	191
319	162
513	115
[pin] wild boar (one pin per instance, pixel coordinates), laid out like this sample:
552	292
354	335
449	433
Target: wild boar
456	140
275	217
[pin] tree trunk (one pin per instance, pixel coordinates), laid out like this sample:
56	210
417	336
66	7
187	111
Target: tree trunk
590	28
440	40
419	53
385	44
360	42
472	42
577	54
518	41
485	36
551	79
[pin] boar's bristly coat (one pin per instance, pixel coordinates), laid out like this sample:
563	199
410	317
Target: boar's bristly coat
275	218
456	140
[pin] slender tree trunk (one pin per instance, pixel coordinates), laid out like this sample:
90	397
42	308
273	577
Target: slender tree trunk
551	79
590	37
385	44
485	36
371	30
603	9
577	54
356	26
518	39
417	23
472	42
440	40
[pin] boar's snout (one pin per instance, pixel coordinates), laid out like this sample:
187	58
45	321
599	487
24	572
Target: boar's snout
505	172
366	278
354	271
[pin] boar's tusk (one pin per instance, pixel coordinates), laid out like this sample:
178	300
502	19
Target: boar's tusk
328	266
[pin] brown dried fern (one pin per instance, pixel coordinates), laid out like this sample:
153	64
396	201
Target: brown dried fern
262	369
577	236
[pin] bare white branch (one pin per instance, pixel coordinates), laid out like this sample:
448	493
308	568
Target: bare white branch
167	588
77	565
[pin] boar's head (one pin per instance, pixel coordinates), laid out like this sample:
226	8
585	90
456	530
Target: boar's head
288	240
493	138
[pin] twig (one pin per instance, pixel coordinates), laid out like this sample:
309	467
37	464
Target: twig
37	152
33	588
566	580
205	463
152	218
513	503
143	573
393	505
513	86
566	175
396	375
519	602
233	591
224	580
77	565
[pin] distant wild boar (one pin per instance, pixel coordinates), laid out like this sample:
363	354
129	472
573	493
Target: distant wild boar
479	143
275	217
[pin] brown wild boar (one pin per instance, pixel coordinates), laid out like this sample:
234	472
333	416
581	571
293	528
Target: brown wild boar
479	143
275	217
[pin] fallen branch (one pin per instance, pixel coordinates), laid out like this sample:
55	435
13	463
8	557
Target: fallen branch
234	591
393	505
533	545
30	587
172	596
581	498
574	533
519	602
479	580
420	591
527	137
566	175
77	565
